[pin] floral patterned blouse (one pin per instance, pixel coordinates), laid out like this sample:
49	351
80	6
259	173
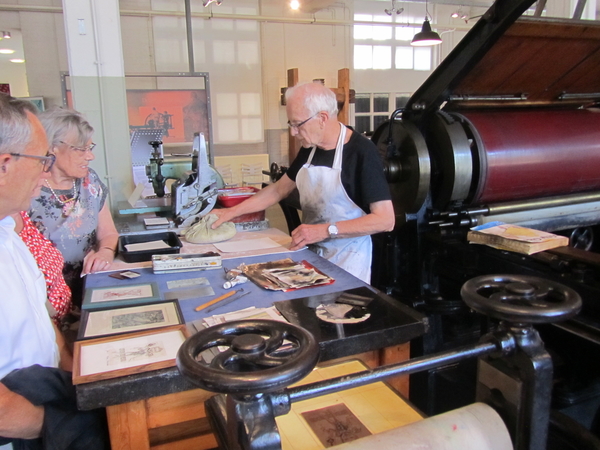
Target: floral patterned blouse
70	222
50	262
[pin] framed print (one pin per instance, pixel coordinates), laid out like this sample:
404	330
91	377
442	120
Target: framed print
126	354
37	101
120	296
105	322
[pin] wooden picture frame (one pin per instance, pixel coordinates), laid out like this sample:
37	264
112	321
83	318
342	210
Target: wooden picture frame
121	295
127	354
105	322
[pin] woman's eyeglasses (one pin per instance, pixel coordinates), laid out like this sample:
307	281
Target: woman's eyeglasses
89	148
47	161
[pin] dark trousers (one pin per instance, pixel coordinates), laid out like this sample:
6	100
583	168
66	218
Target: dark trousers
65	427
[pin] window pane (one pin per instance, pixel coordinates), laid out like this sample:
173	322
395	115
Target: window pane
362	124
402	100
382	57
423	58
405	33
363	32
382	33
380	103
363	57
362	103
404	57
378	120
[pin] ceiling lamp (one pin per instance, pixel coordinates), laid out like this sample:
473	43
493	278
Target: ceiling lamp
394	10
205	3
295	5
426	37
6	35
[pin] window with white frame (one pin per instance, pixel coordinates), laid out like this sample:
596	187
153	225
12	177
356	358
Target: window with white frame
380	44
373	109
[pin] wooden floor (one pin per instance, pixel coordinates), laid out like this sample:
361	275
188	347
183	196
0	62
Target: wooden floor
376	405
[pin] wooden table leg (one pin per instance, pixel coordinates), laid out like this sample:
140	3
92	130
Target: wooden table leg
128	425
396	354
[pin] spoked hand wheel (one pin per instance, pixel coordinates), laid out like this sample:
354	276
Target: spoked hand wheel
521	299
259	356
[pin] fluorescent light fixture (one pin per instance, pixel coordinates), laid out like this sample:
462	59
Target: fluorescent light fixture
6	51
17	60
6	35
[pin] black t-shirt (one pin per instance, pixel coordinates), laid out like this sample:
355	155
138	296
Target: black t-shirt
362	170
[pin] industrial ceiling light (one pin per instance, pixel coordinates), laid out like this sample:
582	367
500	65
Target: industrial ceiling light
6	35
394	10
295	5
205	3
426	37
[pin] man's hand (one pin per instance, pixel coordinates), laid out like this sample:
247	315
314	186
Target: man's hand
224	215
308	234
18	417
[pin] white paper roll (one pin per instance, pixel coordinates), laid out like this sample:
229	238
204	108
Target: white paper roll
474	427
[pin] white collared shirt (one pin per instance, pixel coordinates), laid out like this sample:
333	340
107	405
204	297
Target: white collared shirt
26	331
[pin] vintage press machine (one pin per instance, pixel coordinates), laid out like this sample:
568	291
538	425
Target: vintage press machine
259	359
507	128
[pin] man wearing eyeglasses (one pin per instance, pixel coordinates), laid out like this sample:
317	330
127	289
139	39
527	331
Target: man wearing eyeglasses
31	346
339	175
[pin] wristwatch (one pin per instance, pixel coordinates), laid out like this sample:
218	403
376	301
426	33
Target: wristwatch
332	230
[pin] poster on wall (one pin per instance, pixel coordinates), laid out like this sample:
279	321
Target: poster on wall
5	88
179	113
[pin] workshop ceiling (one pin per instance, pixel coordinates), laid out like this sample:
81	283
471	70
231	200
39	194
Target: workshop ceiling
312	6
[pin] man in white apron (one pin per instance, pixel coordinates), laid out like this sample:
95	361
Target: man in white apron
339	175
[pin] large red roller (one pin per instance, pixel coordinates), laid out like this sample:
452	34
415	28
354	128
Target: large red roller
537	153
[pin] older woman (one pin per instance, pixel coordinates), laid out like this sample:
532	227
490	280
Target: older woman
71	210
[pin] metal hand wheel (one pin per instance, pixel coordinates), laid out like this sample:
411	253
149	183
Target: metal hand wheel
521	299
260	356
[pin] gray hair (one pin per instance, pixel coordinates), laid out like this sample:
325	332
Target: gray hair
15	127
316	97
59	122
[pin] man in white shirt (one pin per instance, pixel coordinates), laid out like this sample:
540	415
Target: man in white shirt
31	344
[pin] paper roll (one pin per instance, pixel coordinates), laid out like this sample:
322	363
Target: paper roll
474	427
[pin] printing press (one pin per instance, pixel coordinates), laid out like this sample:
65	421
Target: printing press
260	359
507	129
186	187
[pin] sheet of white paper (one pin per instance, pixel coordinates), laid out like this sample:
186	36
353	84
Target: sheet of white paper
136	194
151	245
156	221
245	245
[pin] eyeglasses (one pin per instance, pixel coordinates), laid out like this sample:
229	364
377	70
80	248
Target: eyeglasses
301	123
89	148
47	161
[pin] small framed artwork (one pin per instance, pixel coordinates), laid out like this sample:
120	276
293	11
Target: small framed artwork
126	354
120	296
106	322
37	101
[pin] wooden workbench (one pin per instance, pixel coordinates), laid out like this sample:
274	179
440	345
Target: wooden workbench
162	410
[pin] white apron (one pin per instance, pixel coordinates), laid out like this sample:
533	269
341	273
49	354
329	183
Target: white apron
324	200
